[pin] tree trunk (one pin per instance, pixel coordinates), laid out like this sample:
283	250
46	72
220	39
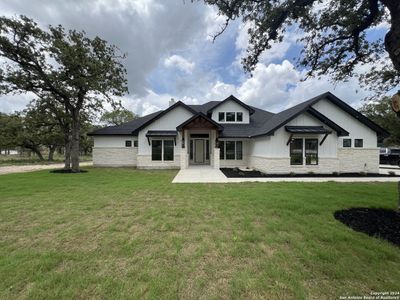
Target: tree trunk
38	153
392	38
67	151
398	196
75	132
52	149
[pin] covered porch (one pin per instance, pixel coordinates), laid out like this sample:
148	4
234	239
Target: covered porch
199	142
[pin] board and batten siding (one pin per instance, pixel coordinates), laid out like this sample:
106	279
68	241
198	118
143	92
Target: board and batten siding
231	106
275	145
169	121
356	129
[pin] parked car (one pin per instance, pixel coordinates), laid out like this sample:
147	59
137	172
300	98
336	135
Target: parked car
389	156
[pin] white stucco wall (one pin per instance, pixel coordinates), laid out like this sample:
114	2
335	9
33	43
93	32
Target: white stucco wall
231	106
167	122
112	141
275	146
356	129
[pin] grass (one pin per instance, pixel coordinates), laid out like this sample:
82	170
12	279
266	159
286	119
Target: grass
12	160
123	233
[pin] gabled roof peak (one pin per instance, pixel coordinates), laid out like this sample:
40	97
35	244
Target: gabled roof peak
232	98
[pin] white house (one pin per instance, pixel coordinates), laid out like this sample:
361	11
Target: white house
321	135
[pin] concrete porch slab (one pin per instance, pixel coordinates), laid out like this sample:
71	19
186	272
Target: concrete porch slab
200	174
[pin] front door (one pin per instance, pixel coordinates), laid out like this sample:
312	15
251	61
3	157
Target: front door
199	151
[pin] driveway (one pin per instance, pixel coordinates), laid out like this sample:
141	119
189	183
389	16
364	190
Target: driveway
31	168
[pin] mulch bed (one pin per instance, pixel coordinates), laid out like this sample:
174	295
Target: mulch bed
376	222
67	171
236	173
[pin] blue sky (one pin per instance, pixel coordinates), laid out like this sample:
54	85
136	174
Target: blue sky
171	55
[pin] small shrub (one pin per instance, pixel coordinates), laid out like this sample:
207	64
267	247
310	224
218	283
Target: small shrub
311	172
392	173
292	174
363	173
335	173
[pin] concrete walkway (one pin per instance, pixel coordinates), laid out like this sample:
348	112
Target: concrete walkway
207	174
31	168
199	174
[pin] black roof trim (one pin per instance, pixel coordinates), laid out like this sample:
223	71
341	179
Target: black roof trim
308	129
324	119
164	112
197	115
356	114
232	98
156	133
293	112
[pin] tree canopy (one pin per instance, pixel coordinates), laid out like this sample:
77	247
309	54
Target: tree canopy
118	117
381	113
334	35
65	68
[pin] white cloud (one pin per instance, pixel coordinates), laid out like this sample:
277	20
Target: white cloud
179	62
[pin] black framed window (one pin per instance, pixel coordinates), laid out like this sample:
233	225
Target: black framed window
239	117
135	143
207	149
156	150
230	117
296	152
168	150
346	143
230	150
221	149
359	143
239	150
311	151
191	149
221	116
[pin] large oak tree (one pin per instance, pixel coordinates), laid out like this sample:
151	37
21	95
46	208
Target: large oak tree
65	67
334	35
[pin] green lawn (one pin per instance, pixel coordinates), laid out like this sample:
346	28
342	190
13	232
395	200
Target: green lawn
122	233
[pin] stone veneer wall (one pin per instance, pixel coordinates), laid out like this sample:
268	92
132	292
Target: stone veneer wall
281	165
115	157
359	160
231	163
145	162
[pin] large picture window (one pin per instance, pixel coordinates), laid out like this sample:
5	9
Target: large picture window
156	149
311	151
296	152
239	150
231	150
162	150
168	150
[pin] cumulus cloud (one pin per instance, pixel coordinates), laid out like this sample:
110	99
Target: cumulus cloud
170	54
179	62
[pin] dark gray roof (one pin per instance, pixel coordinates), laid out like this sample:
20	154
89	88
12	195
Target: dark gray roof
287	115
127	128
261	122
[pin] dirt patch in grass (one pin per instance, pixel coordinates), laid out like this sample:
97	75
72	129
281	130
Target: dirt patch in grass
376	222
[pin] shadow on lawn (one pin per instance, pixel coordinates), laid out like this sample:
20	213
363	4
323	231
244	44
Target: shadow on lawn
376	222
